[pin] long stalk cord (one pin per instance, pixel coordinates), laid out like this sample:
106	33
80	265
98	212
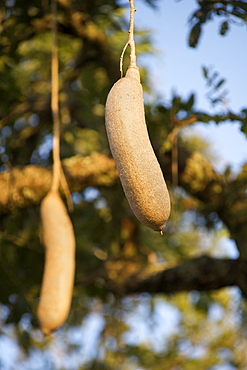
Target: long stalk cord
58	174
54	101
131	41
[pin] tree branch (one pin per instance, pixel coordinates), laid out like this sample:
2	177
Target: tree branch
26	186
23	187
203	273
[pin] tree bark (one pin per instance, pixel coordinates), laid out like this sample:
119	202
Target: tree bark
214	193
23	187
203	273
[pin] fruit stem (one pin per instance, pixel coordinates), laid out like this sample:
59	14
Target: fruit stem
58	174
131	41
54	102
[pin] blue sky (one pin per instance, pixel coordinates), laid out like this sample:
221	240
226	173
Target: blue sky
177	67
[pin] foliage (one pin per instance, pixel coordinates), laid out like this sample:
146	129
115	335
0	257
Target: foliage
108	328
232	12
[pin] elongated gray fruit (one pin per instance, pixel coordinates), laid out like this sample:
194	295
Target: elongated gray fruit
59	270
138	168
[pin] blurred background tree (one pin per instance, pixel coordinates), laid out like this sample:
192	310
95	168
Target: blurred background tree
141	301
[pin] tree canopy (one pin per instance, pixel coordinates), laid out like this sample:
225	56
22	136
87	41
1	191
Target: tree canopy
140	301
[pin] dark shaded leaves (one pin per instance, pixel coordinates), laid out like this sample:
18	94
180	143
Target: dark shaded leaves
195	33
190	102
224	28
230	11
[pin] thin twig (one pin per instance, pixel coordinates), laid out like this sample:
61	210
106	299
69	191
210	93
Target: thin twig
131	41
121	58
173	137
175	162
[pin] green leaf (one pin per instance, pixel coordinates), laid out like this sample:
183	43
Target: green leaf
205	72
190	102
195	34
220	83
224	28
